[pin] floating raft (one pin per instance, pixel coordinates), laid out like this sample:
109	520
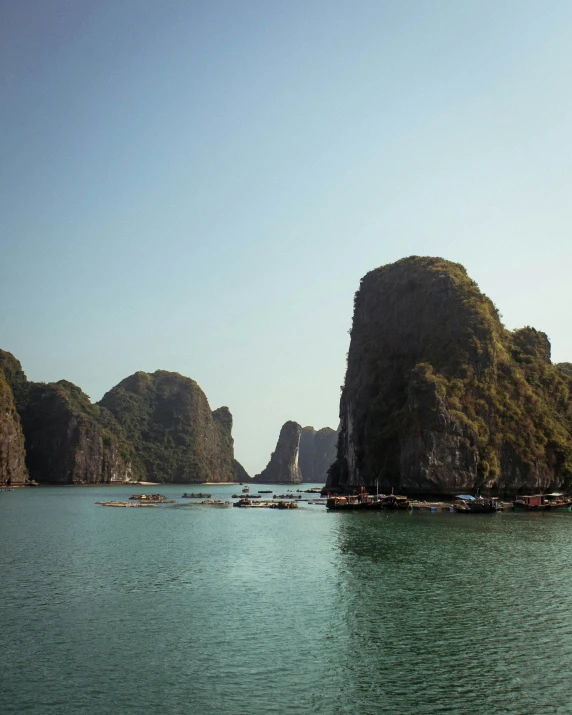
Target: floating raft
125	504
207	502
247	504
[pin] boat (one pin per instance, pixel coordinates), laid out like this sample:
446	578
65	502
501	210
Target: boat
250	496
198	495
246	503
468	504
246	490
207	502
125	504
531	502
265	491
242	502
541	502
557	500
157	498
359	502
394	501
9	489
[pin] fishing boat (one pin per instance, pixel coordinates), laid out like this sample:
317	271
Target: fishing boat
157	498
125	504
359	502
198	495
557	500
395	501
468	504
531	502
206	502
246	490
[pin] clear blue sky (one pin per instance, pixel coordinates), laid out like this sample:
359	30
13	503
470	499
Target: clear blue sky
199	186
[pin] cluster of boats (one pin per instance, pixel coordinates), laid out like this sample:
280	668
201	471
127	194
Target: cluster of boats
366	502
247	503
153	498
463	504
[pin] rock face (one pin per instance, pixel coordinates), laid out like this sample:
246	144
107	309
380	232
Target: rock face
175	437
71	441
12	454
67	439
440	397
283	467
317	453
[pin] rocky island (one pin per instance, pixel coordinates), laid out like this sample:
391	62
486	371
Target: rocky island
301	455
175	436
439	396
151	427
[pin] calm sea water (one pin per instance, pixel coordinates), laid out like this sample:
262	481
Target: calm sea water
251	612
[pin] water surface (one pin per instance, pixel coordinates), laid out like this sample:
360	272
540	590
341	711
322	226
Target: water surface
250	612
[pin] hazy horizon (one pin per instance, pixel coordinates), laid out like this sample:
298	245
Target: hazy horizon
199	187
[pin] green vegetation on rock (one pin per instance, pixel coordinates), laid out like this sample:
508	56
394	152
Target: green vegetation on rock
439	395
174	435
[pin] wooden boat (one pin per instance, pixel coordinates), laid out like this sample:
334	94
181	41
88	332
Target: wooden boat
394	501
125	504
353	503
198	495
531	502
468	504
207	502
242	502
157	498
557	500
245	503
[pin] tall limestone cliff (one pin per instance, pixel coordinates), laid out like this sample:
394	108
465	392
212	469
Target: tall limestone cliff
283	467
175	436
317	453
12	454
71	441
440	397
68	440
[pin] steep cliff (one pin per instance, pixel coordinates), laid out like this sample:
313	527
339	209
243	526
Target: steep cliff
71	441
283	466
439	396
68	440
12	455
175	436
317	453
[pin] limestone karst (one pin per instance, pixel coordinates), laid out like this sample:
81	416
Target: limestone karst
174	434
439	396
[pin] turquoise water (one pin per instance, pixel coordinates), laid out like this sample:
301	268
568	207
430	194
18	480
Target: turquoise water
251	612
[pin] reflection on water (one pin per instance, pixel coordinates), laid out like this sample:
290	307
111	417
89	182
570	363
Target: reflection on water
457	613
254	611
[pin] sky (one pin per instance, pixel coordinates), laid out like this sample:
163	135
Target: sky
199	186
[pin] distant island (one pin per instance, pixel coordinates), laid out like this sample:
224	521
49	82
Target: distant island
302	454
151	427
